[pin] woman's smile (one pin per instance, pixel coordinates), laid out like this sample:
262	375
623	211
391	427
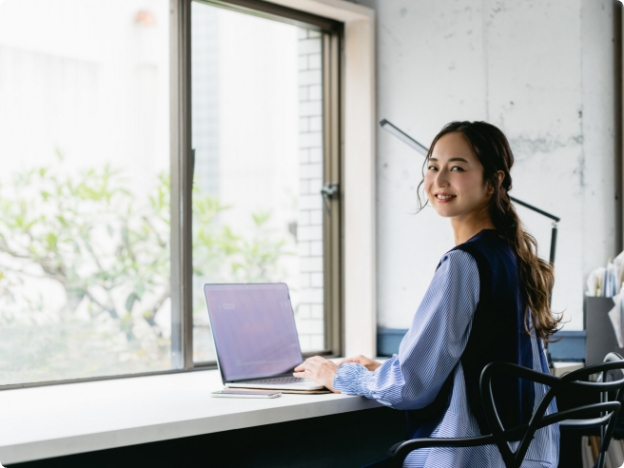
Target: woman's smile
444	197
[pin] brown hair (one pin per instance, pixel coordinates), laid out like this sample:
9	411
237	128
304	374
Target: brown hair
493	151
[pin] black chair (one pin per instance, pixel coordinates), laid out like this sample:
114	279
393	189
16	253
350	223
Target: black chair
595	426
600	409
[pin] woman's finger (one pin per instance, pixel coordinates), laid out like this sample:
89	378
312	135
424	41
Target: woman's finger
349	359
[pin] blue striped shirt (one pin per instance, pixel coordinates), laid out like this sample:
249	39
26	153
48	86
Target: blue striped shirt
430	351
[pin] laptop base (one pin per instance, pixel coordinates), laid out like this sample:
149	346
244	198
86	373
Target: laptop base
305	384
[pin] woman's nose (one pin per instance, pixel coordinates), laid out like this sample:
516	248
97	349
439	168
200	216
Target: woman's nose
441	179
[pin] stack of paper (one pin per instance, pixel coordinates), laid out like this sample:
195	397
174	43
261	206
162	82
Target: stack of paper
607	282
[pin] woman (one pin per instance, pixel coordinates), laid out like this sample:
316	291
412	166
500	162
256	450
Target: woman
488	301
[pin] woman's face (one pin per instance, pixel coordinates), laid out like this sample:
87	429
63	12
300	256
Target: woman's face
454	178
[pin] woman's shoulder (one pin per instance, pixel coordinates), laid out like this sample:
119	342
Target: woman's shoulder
457	259
487	246
457	278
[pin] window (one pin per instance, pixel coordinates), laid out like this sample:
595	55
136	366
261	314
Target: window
84	199
132	175
257	135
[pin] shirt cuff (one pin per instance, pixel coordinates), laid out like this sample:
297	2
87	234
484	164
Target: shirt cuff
353	379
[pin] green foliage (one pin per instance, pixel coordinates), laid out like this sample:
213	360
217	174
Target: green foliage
84	231
108	251
259	255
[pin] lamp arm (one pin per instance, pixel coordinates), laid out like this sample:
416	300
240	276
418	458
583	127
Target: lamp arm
556	219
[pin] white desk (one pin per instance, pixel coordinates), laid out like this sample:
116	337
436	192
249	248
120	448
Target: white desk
44	422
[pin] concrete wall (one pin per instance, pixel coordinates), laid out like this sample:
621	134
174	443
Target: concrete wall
544	72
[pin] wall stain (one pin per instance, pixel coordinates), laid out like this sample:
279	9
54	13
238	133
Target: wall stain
497	8
529	146
387	30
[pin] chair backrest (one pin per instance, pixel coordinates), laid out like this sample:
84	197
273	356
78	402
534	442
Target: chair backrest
599	406
610	394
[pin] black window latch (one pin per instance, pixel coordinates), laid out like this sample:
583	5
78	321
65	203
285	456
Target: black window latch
329	191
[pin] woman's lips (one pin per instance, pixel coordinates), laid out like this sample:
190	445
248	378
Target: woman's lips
444	198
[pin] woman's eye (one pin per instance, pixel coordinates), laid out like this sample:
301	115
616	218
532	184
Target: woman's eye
431	168
457	168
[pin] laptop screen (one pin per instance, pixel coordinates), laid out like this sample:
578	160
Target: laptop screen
253	328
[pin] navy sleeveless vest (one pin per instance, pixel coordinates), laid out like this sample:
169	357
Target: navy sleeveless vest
498	333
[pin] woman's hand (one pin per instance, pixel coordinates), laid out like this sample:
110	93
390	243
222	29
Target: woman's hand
362	360
319	370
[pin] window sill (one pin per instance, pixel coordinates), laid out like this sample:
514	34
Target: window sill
45	422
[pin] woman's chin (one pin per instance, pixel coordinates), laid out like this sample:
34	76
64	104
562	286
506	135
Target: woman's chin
445	212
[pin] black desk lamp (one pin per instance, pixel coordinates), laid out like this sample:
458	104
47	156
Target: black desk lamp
405	138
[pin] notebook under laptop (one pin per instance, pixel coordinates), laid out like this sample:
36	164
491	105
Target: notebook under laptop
255	337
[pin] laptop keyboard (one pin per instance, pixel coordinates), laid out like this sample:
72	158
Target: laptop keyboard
278	380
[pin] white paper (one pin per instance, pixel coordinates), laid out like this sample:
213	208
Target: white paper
617	318
619	271
611	287
594	282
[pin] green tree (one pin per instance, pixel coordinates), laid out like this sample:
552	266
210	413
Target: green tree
109	251
87	233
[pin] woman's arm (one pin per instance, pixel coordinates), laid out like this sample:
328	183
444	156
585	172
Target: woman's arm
431	348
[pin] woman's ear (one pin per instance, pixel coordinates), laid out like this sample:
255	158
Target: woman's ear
501	177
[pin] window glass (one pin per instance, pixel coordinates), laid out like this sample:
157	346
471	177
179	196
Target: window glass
257	136
84	188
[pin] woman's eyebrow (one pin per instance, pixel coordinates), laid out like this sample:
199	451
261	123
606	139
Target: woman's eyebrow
450	160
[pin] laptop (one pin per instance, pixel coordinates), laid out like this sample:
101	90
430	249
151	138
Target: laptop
255	336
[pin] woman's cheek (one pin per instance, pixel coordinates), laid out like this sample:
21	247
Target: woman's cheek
428	194
427	186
